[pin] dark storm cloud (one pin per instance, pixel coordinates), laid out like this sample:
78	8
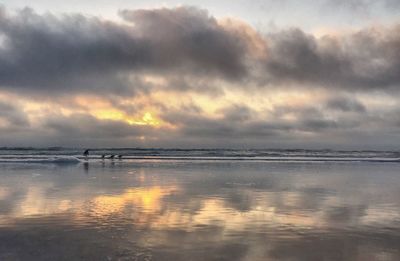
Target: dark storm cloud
365	60
188	36
74	52
189	48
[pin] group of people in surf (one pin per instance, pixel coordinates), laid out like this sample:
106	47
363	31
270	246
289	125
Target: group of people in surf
103	156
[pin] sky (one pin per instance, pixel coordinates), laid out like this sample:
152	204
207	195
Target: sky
200	74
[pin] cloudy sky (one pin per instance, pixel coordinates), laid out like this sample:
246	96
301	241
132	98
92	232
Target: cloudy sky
237	74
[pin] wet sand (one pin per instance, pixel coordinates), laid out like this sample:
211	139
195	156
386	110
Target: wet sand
186	210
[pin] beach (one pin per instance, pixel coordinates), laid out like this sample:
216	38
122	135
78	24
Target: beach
200	130
205	209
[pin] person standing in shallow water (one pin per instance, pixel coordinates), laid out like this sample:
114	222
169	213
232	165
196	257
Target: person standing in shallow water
86	154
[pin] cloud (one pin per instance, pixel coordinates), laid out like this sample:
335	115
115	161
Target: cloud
77	126
189	49
74	53
365	60
45	53
189	37
12	115
337	122
198	74
242	122
345	104
362	6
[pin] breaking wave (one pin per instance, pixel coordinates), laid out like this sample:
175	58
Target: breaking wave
59	160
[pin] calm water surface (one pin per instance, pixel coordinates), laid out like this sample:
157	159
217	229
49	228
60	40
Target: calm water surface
183	210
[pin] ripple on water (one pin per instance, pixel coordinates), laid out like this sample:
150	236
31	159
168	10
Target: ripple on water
201	211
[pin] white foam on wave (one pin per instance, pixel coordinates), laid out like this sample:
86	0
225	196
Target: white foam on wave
76	159
51	160
66	160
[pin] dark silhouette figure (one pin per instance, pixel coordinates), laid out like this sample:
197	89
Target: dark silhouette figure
103	156
86	153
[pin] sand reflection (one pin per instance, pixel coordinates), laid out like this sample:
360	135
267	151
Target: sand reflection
228	212
148	199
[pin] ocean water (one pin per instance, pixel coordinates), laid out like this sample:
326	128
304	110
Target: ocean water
49	154
158	204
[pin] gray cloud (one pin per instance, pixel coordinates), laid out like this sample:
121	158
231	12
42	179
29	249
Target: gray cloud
235	126
63	54
355	6
188	37
345	104
237	113
83	125
13	115
78	53
335	122
368	59
74	53
362	6
339	122
244	123
191	51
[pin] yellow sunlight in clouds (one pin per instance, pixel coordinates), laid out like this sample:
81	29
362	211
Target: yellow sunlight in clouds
112	114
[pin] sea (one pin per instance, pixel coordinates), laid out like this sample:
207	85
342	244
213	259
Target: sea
199	204
64	155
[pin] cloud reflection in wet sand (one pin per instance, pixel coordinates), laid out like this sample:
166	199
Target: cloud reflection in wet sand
242	211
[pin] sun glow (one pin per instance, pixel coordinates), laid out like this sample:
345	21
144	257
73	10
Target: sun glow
146	118
109	114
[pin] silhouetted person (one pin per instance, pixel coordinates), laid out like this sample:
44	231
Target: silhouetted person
86	153
103	156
